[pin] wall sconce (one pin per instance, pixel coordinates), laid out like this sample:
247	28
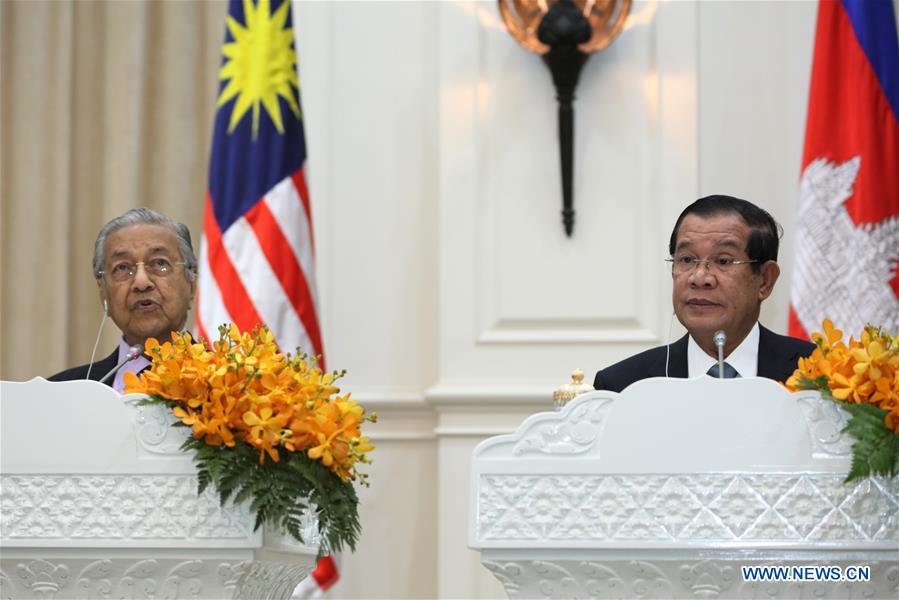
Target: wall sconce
565	32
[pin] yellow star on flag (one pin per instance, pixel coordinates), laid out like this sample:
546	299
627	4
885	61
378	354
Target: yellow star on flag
260	65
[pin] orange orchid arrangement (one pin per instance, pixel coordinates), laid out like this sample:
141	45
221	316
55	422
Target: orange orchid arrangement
863	375
251	410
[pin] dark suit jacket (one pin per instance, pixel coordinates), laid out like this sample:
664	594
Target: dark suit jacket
778	355
100	368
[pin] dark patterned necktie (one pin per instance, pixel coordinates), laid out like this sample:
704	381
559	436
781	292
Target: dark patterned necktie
729	371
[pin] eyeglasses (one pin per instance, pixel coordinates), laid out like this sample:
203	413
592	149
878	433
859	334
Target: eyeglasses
681	265
125	271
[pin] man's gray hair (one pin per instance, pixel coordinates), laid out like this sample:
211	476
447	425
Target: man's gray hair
147	216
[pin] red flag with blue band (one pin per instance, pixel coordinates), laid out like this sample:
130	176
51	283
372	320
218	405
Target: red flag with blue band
257	252
847	242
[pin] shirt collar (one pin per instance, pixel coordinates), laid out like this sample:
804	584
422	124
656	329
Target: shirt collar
744	358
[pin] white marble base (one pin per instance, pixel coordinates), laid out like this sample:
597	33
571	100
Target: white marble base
110	575
684	575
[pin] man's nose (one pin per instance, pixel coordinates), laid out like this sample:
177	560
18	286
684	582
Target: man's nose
141	279
701	276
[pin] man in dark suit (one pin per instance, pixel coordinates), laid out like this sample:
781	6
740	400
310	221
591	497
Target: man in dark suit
146	272
723	265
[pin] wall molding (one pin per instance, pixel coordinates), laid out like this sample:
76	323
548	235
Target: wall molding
399	400
477	432
555	331
407	416
403	415
476	398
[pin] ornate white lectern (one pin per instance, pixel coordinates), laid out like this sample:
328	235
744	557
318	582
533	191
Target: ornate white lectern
96	501
669	488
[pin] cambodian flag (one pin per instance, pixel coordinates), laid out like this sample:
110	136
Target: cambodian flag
847	247
257	254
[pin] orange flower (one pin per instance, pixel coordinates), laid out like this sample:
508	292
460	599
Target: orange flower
892	420
856	388
241	388
869	358
862	371
831	336
265	430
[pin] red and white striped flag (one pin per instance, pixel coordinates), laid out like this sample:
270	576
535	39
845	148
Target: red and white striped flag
847	243
257	253
257	258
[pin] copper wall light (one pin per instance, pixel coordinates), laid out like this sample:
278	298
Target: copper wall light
565	32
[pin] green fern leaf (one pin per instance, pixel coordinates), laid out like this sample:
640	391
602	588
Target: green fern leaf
876	448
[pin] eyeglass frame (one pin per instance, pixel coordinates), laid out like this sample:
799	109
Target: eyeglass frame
147	270
707	263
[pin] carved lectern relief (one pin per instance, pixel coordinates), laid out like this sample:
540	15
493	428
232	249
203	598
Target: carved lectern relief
679	508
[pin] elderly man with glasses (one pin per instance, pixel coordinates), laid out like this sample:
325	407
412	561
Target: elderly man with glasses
723	264
146	273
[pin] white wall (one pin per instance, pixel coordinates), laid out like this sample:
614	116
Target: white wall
754	73
449	290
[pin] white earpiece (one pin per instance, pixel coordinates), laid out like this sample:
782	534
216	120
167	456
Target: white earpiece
90	365
668	345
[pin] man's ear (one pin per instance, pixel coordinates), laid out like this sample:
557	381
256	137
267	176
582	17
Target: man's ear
193	293
769	273
102	294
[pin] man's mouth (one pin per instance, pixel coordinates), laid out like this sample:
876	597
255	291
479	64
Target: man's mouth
144	305
701	303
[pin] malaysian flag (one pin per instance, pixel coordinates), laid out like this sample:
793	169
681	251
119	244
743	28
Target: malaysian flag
257	259
257	255
847	243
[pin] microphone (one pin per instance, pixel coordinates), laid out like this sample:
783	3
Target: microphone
720	339
133	352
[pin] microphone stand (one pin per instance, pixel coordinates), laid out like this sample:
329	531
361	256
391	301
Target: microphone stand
133	353
720	340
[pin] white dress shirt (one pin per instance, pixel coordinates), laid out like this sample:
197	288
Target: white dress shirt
744	358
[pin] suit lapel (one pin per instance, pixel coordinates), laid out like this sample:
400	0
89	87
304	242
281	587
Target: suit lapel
775	362
677	361
100	369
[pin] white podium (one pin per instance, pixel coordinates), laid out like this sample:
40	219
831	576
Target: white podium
668	489
96	501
